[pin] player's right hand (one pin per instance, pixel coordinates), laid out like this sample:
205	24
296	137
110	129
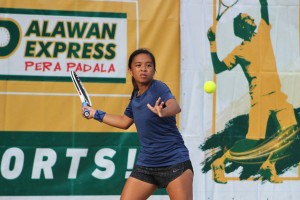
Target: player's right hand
211	35
90	109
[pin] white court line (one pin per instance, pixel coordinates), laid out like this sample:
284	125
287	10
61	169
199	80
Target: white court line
60	94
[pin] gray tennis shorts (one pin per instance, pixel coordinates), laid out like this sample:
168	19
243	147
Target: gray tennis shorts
161	176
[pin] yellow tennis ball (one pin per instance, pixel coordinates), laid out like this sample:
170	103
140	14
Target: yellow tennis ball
209	87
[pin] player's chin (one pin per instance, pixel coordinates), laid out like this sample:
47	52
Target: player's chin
145	79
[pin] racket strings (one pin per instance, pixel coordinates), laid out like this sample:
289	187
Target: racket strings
226	5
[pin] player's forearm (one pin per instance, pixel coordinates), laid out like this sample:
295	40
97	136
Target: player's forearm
117	121
171	109
217	64
263	2
264	10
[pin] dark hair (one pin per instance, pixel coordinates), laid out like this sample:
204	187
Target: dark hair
238	23
241	28
130	60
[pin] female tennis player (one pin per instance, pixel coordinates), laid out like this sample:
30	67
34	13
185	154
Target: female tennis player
163	160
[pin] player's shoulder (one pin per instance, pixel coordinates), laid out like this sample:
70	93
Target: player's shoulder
159	83
158	86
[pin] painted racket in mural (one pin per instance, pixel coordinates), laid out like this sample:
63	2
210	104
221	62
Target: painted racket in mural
224	6
263	142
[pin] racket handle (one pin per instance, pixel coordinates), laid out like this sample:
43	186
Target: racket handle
86	112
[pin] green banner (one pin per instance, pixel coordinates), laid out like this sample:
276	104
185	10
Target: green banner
70	163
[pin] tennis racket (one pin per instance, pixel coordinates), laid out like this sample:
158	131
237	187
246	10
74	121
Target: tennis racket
224	6
84	97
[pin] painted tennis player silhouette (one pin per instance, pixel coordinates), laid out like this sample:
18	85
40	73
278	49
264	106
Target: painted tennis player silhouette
256	58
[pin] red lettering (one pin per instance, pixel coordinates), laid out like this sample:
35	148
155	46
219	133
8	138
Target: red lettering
86	67
28	64
57	67
70	66
97	68
78	68
111	68
47	66
38	66
83	67
102	68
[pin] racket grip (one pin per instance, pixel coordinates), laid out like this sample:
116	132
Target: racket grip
86	112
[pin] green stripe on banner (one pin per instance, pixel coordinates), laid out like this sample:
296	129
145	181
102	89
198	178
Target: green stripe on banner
61	79
66	163
63	13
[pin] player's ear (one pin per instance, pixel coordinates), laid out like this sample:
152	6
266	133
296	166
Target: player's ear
130	72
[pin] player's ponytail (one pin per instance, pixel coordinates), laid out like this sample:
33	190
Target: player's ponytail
135	87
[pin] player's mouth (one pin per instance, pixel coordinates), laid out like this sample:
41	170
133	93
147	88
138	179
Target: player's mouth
143	75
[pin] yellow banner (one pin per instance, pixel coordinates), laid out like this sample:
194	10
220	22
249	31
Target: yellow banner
45	100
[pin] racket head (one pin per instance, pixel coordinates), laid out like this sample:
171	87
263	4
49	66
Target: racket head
84	96
223	6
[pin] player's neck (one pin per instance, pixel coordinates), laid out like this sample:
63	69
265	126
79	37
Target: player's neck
143	88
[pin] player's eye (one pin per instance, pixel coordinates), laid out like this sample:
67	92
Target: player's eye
149	65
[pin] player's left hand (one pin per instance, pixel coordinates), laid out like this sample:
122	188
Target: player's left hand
157	108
